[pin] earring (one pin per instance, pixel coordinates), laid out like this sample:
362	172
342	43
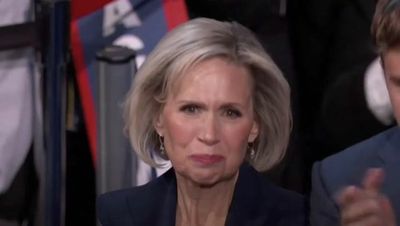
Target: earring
251	150
162	149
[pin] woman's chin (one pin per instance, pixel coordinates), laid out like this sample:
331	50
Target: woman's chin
206	178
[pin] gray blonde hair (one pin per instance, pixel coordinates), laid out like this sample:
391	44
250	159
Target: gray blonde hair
186	46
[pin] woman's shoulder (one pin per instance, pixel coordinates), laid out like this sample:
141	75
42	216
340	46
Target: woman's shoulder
138	192
285	200
286	207
121	205
276	205
113	207
254	180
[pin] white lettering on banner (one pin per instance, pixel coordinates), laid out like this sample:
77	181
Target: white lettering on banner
119	12
132	42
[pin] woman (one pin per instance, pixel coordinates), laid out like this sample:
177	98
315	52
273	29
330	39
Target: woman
209	99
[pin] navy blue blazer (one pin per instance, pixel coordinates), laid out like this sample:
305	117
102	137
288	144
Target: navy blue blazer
348	168
255	203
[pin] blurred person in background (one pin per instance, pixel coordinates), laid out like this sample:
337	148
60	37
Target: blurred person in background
342	95
360	185
18	179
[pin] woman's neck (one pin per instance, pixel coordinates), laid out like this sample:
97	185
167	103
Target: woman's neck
206	206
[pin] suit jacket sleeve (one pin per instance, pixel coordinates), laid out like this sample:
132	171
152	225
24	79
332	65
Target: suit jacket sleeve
323	209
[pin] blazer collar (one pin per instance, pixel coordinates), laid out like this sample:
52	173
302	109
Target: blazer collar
167	211
248	204
160	206
390	150
245	209
390	158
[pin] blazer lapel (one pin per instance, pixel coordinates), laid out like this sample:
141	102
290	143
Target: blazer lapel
167	209
390	152
160	208
246	208
390	157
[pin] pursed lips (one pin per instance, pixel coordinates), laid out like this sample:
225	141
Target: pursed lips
207	159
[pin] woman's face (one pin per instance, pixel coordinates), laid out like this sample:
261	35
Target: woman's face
392	77
208	121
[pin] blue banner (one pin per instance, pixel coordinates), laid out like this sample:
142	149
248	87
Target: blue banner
133	23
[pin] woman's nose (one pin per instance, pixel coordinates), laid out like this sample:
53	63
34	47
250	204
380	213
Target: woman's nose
210	130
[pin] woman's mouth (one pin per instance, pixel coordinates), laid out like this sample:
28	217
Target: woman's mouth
205	159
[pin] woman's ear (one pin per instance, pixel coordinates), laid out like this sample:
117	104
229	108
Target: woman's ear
253	132
158	124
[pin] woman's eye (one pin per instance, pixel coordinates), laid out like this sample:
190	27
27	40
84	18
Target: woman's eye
232	113
190	109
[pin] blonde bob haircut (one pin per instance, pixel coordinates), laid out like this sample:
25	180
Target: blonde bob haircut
181	49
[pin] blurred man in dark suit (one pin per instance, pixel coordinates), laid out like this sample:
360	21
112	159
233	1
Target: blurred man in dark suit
360	185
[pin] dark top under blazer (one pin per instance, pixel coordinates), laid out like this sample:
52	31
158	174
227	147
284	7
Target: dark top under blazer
255	203
349	167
